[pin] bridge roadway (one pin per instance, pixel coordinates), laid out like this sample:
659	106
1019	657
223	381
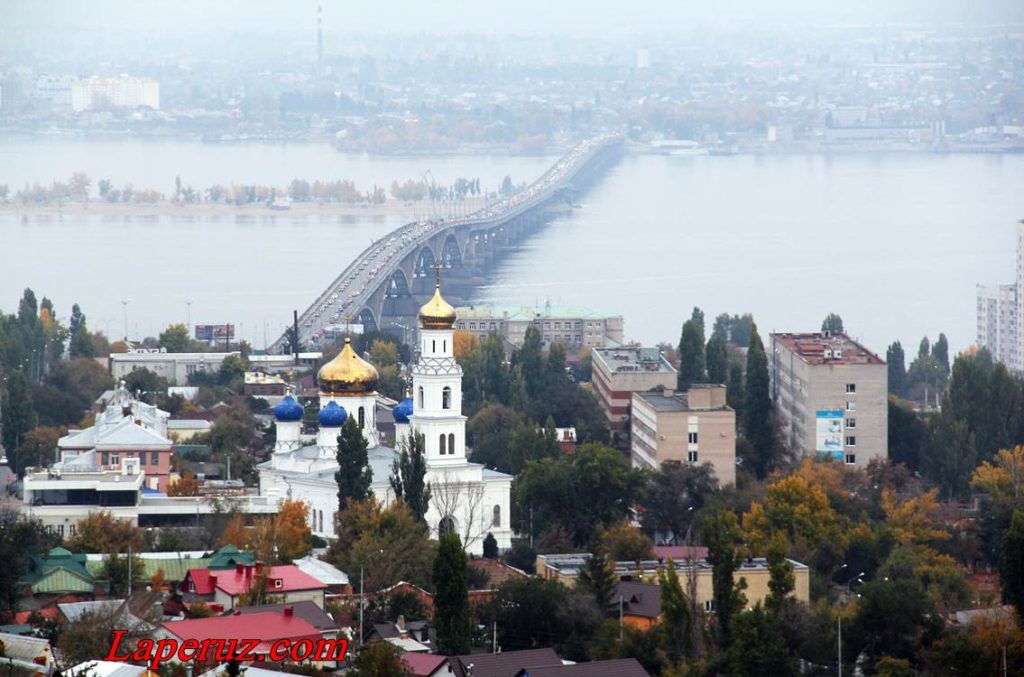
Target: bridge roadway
383	287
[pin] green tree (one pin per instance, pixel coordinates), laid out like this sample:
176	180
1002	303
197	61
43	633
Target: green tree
677	624
833	323
407	475
597	576
758	648
490	546
451	597
175	338
893	618
717	356
18	538
907	434
691	355
758	425
780	572
488	432
1011	563
674	496
530	360
897	366
722	536
353	475
18	414
124	573
940	353
382	659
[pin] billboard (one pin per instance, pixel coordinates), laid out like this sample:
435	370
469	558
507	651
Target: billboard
829	429
215	332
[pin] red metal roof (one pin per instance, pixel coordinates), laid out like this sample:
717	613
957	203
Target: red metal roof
267	627
201	581
292	578
423	664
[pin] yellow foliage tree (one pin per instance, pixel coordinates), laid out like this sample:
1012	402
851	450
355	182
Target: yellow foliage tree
187	485
101	532
292	533
235	532
913	520
1003	477
463	344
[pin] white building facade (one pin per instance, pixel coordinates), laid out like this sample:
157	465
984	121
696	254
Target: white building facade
465	497
1000	309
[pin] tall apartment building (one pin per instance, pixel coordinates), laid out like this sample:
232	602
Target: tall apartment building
832	396
1000	313
119	92
575	327
693	427
620	372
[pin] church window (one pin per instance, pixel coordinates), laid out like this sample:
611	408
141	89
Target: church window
443	441
362	417
446	526
444	346
420	394
451	443
496	520
321	520
433	346
446	398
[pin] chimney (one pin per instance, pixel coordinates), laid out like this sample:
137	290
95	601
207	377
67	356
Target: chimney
248	570
289	610
259	567
239	567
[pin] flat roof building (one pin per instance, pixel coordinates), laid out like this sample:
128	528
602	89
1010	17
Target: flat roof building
574	327
693	427
620	372
831	394
175	367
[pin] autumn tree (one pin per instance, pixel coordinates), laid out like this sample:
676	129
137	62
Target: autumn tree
408	474
186	485
624	542
236	532
101	532
284	537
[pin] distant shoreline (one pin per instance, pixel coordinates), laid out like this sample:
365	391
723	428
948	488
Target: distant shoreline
392	208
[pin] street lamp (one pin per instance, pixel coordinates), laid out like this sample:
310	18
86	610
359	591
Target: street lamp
839	621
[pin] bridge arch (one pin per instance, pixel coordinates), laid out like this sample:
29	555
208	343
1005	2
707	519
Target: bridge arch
424	262
451	254
367	319
398	286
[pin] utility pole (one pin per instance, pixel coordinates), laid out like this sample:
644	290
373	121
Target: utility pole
360	607
839	651
129	571
124	304
494	643
620	618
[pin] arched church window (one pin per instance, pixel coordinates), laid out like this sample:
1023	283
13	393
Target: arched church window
419	404
451	443
433	346
446	398
362	417
443	441
446	526
444	346
496	519
321	519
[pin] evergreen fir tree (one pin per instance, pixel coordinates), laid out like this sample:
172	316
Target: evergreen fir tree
353	475
408	474
758	427
451	597
691	355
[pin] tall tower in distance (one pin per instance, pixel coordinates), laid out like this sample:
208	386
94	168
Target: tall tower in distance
319	40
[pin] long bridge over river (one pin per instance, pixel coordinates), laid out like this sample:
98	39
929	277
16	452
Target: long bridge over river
385	285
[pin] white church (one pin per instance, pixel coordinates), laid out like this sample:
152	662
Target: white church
465	497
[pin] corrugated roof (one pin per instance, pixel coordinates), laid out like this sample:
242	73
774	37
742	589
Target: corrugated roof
508	663
25	648
174	568
61	580
322	571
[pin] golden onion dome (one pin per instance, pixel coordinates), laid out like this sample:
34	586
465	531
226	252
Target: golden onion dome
347	373
437	313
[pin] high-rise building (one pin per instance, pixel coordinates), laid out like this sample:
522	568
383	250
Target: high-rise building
1000	309
831	394
119	92
620	372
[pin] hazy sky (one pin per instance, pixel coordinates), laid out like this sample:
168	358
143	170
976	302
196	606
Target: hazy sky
586	17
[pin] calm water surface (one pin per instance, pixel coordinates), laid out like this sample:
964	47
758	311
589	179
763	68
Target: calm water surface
894	243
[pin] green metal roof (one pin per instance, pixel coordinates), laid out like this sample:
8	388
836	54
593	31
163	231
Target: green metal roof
61	580
174	568
228	556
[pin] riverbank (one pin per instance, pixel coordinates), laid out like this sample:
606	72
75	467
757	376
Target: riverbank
391	209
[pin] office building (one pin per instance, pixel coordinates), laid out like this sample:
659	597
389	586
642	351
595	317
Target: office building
831	394
575	327
175	367
1000	309
693	427
620	372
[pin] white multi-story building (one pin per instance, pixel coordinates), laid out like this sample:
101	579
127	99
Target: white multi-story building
119	92
1000	309
465	497
175	367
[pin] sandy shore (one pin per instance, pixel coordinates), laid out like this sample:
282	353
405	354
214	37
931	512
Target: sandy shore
392	208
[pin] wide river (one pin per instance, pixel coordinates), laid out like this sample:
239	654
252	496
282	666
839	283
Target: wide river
895	243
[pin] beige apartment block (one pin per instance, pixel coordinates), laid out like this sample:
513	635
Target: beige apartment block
831	394
693	427
575	328
617	373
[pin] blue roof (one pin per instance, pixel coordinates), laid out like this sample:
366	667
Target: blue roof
332	416
288	410
402	411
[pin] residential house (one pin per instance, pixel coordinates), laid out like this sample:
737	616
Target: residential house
268	627
639	603
427	665
286	582
619	667
27	651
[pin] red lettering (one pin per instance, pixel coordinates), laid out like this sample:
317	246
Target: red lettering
226	650
331	650
248	650
164	651
143	650
187	650
205	647
301	650
112	656
279	650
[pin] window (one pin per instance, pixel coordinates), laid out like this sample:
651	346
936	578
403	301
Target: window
446	526
278	583
446	398
60	530
851	405
451	443
496	519
851	388
709	605
851	440
321	520
851	459
419	397
443	442
362	417
691	456
433	346
691	438
142	458
472	325
154	458
115	459
851	423
579	325
106	458
444	346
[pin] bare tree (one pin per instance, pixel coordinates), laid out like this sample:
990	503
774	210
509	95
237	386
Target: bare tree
464	503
